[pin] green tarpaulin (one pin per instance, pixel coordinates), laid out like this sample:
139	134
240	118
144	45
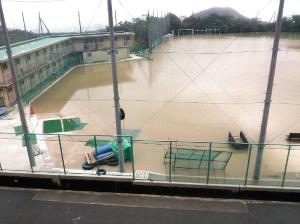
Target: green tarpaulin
127	149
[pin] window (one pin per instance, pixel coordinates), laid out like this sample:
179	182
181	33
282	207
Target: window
27	58
116	38
37	53
86	44
126	40
17	61
45	50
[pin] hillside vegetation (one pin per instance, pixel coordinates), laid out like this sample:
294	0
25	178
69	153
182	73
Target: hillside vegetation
17	36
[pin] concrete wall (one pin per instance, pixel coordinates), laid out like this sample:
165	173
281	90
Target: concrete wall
95	56
123	53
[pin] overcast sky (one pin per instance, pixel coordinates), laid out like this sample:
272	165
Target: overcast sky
61	15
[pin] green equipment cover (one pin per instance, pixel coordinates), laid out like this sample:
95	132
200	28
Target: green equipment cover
127	149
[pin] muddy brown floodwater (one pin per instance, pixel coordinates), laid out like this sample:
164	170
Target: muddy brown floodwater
195	88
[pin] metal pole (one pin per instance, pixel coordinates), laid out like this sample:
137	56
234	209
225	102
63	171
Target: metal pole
286	166
116	20
208	165
95	143
16	88
132	158
268	98
170	161
248	164
62	155
24	21
115	86
79	22
39	24
42	23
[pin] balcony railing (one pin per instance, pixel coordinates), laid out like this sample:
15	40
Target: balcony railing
216	163
32	67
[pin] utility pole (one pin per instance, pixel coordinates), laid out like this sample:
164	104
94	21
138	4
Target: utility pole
79	22
115	85
268	98
24	22
116	20
40	24
16	88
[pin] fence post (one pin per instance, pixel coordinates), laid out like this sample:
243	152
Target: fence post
248	163
61	153
27	138
170	161
95	143
208	165
286	165
132	158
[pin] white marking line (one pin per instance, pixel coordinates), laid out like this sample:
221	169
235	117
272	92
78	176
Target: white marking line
145	201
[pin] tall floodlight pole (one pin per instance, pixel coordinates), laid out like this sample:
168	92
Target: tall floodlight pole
79	22
115	85
116	22
268	98
24	22
16	88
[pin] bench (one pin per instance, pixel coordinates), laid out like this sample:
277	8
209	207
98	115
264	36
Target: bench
240	142
293	137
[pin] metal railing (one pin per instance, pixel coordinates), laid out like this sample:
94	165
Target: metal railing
217	163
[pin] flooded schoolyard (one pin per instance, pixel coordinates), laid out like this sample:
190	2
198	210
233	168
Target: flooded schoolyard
195	88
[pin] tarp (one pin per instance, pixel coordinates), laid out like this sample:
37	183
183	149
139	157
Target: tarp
127	149
2	111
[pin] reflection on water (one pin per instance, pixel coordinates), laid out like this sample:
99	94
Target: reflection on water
195	88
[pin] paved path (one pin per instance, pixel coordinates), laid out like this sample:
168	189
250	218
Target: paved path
47	206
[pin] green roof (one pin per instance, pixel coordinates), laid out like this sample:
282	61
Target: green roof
26	46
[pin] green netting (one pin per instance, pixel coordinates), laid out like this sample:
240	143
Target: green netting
127	149
132	132
73	124
197	158
52	126
70	124
32	137
19	130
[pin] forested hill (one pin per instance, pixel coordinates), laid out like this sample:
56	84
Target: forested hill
17	36
219	11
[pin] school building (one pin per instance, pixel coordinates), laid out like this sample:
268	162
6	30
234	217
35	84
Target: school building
39	62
